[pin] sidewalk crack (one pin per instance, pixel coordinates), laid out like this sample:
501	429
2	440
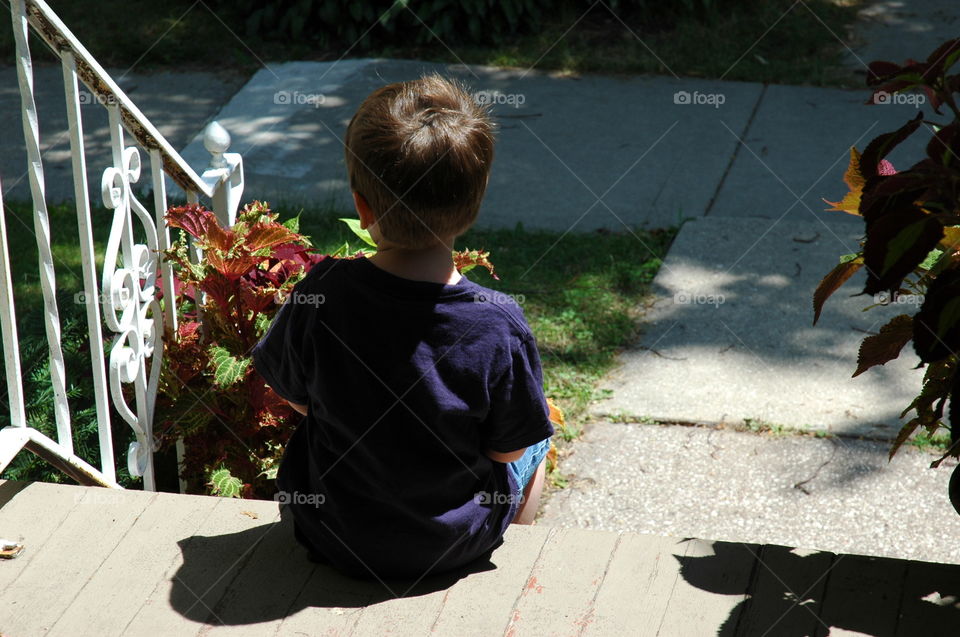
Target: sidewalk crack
736	151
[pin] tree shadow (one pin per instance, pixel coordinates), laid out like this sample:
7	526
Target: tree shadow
796	593
262	574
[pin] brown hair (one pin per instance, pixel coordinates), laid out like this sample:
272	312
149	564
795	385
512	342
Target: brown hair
419	152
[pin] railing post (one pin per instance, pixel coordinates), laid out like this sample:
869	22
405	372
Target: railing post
41	223
127	290
8	324
224	175
88	263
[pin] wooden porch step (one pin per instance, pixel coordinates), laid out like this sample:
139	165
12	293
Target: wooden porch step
106	562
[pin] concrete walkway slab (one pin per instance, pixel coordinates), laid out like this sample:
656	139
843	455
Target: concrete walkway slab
797	148
897	30
652	149
840	495
179	104
730	334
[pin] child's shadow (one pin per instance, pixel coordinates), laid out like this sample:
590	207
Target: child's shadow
262	574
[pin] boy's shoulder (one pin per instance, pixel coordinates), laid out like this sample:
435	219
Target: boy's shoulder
495	309
502	305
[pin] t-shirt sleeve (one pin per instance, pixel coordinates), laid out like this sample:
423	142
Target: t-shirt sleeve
277	357
519	416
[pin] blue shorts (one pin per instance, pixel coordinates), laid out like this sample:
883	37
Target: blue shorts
524	467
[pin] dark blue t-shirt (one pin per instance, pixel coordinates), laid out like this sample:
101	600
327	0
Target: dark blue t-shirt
407	383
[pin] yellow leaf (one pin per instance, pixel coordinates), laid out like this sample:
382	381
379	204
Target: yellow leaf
951	238
556	414
855	181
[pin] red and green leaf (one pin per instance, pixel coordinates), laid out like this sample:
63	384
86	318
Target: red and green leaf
466	260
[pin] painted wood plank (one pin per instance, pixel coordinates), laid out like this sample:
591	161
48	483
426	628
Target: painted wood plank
20	503
498	588
709	595
248	607
930	601
402	608
862	595
182	599
329	604
72	554
119	587
787	593
638	586
558	596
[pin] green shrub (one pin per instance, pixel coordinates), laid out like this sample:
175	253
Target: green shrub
365	24
39	402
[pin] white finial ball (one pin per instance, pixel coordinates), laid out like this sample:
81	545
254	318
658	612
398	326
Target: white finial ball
216	139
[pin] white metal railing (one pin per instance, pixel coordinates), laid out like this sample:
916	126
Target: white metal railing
126	289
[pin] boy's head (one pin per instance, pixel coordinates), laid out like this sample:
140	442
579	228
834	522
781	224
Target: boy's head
419	153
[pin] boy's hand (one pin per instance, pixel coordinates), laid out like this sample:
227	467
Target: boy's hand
511	456
299	408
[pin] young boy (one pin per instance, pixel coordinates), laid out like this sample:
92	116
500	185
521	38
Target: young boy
426	425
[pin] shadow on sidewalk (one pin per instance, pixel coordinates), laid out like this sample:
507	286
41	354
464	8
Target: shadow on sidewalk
795	593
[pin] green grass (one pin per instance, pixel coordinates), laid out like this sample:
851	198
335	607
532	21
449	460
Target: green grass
778	41
937	442
729	44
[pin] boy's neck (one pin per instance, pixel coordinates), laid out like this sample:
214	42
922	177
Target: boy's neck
433	264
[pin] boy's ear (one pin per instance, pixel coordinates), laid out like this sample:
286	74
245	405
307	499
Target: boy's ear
363	210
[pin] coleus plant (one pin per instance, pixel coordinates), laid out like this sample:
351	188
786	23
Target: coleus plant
912	239
233	425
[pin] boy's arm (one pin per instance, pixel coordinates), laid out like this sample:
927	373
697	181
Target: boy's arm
277	358
302	409
504	458
519	416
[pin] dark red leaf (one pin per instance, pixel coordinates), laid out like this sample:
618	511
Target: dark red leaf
936	327
268	235
896	244
231	267
194	219
880	71
832	282
943	55
945	145
882	348
881	146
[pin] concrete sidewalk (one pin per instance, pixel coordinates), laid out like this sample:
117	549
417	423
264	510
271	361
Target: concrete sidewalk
575	153
837	494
